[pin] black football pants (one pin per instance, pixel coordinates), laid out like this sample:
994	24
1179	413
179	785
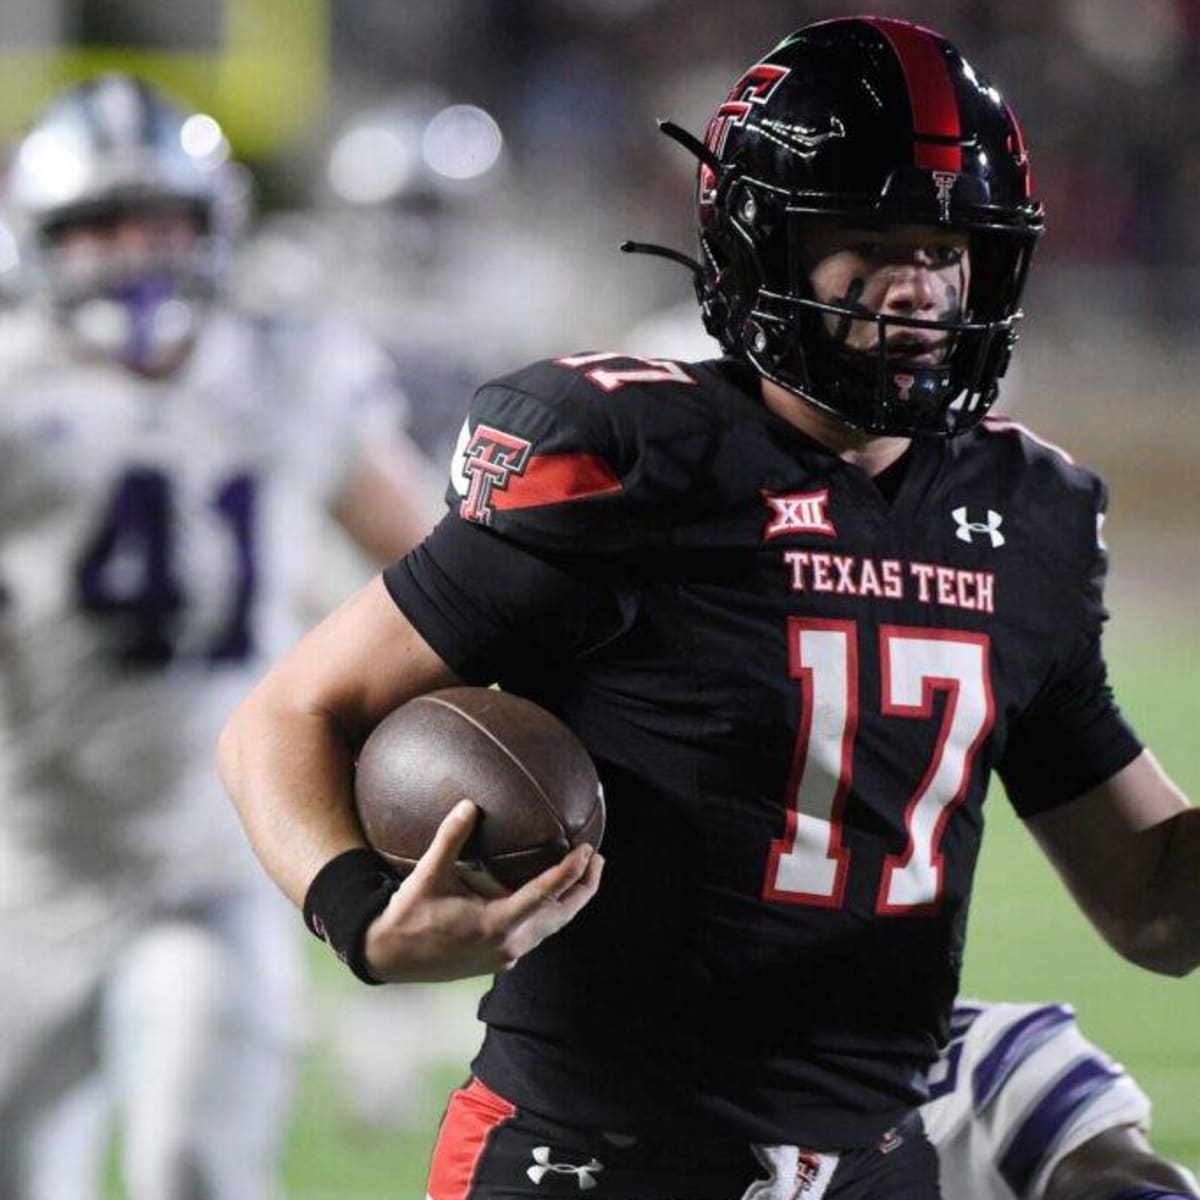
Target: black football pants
488	1149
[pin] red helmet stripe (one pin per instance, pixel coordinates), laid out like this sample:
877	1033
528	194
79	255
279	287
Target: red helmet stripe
931	94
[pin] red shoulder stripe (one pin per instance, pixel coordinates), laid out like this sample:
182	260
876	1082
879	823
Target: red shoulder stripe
555	478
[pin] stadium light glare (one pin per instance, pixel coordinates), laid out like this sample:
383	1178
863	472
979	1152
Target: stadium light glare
201	138
60	172
370	164
462	143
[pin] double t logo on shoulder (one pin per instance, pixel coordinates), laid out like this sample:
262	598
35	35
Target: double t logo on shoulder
491	458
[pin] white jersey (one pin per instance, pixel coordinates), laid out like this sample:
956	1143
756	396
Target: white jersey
1017	1089
153	537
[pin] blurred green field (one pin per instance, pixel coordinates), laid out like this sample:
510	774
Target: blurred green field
1026	943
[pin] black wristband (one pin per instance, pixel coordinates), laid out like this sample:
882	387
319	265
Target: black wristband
345	896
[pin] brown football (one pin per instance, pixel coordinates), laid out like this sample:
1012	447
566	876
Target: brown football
534	783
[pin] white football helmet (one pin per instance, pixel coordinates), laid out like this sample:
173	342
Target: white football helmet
111	148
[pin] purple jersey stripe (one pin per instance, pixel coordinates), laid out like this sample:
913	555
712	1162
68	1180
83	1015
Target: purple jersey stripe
1045	1123
1018	1042
963	1017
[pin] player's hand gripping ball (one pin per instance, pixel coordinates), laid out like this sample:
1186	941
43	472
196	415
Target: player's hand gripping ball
533	781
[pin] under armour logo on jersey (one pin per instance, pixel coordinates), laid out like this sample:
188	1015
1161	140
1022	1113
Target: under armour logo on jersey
801	512
585	1175
967	529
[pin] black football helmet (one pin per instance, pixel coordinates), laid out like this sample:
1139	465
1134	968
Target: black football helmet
868	122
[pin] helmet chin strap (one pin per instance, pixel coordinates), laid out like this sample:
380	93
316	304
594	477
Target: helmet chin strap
918	389
694	146
675	256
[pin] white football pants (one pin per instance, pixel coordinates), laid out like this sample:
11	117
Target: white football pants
178	1029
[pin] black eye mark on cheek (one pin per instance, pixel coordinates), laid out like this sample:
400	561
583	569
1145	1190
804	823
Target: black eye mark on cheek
850	300
953	310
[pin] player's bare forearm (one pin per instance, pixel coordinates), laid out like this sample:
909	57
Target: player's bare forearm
288	772
1169	935
286	754
1130	853
1116	1162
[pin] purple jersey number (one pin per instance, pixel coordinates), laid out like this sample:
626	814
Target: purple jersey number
127	570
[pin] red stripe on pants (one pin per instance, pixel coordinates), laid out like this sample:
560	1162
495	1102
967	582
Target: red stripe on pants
472	1116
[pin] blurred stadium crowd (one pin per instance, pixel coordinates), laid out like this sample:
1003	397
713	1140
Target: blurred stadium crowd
1106	90
506	250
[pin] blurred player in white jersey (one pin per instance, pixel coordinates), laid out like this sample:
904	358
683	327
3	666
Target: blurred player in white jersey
166	465
1024	1107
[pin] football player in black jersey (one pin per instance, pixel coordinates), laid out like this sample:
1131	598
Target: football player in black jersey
799	603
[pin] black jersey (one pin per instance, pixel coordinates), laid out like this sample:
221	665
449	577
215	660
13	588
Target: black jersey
795	692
